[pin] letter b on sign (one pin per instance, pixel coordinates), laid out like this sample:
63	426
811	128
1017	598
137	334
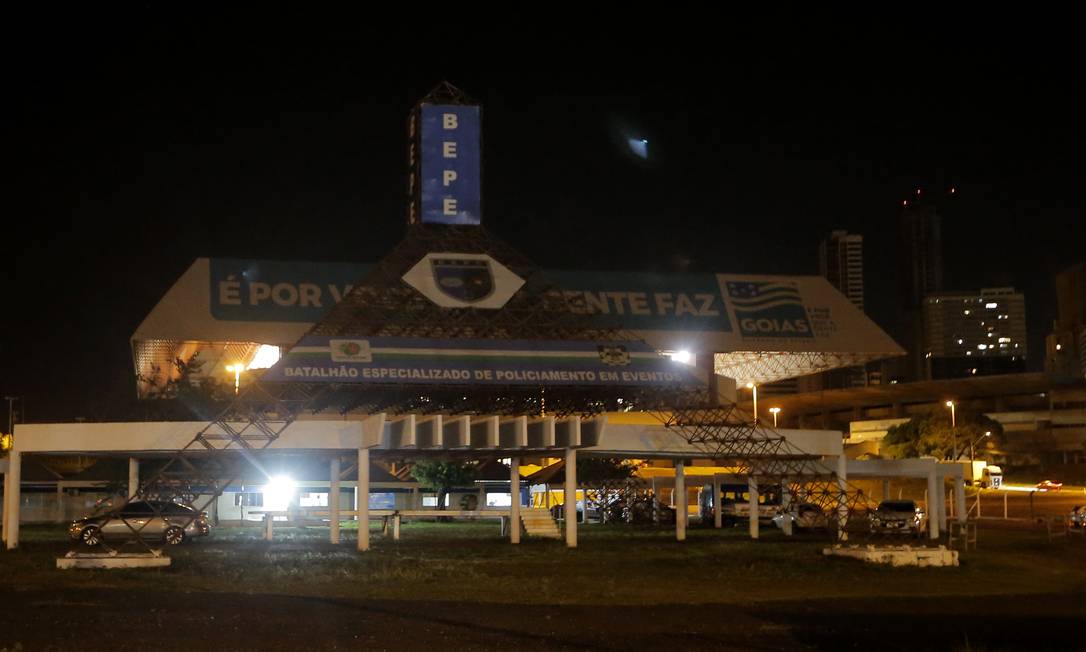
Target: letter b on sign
448	120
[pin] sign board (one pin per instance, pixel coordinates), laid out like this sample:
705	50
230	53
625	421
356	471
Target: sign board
392	360
445	164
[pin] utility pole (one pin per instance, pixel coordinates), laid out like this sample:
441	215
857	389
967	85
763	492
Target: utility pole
11	413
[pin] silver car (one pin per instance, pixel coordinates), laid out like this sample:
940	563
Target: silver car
898	517
172	523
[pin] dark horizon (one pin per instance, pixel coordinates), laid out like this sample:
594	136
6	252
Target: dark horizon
145	144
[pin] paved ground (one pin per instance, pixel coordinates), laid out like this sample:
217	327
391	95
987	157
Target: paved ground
105	619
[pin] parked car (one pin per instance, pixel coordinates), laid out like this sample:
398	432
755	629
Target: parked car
898	517
1049	485
806	516
735	503
1077	518
172	523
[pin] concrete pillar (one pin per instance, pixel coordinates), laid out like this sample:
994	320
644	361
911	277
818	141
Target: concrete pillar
514	500
886	490
570	507
268	527
133	476
842	498
333	500
752	504
12	498
942	504
363	499
718	519
933	505
480	501
959	500
61	502
786	507
680	501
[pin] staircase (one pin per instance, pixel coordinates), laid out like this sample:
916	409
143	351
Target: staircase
539	523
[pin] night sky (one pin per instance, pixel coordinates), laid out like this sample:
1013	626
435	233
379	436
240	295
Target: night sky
142	140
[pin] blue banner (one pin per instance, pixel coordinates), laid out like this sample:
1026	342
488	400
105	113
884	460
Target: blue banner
392	360
269	290
646	301
769	309
259	290
450	185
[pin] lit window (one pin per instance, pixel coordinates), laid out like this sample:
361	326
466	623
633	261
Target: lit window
1004	339
991	305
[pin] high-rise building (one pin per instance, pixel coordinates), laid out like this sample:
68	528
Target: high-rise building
920	263
841	262
1065	347
974	333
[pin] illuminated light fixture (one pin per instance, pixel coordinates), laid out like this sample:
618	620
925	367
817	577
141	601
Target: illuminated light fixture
681	356
754	389
236	369
982	346
1004	339
991	305
639	146
965	312
266	357
905	203
918	191
959	341
1058	346
278	493
775	411
953	190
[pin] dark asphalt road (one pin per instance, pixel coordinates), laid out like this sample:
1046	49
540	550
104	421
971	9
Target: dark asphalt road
105	619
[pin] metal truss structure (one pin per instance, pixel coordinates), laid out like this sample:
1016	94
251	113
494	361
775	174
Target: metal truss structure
760	367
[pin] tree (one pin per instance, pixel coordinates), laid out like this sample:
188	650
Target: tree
443	475
605	479
931	435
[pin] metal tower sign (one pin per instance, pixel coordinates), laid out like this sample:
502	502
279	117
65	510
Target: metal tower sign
445	159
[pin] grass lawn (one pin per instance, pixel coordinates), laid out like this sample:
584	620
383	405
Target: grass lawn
614	564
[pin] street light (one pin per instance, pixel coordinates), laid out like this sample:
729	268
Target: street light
775	411
972	457
953	429
237	369
754	388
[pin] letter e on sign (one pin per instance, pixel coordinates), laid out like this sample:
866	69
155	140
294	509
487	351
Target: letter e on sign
449	206
448	149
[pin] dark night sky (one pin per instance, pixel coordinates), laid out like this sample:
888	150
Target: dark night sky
143	140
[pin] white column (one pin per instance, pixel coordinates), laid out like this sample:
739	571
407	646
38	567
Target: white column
61	512
514	500
570	507
268	527
717	514
133	476
363	499
333	500
679	498
842	498
959	500
786	508
13	498
933	505
752	495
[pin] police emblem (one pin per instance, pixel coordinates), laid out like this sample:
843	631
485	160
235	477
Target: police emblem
614	355
463	279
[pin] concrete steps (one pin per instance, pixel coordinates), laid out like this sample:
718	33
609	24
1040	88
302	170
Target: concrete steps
539	523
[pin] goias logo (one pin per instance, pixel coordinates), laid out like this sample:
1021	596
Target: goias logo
350	350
